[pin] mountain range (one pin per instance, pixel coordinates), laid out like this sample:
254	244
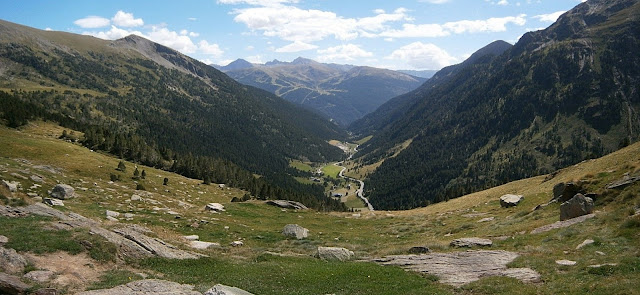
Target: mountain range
557	97
343	93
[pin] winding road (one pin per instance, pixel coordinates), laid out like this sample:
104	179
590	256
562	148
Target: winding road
360	191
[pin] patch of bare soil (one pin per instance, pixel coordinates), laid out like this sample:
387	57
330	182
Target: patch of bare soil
72	272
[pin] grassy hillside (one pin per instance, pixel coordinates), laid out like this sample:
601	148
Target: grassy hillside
36	150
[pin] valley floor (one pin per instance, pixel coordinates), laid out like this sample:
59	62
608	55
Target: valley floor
267	262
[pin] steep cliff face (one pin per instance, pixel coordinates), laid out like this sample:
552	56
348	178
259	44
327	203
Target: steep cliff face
557	97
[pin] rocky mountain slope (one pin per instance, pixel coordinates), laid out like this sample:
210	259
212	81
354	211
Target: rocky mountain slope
557	97
341	92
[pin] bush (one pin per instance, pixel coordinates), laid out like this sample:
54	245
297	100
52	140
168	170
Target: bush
140	187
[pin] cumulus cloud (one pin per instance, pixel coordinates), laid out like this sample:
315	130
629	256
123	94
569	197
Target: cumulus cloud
419	55
348	52
258	2
124	19
550	17
92	22
114	33
435	1
210	49
296	47
496	24
417	31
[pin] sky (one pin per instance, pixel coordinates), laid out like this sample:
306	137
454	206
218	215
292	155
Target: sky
400	34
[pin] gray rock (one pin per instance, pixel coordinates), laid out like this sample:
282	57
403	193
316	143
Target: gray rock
46	291
20	176
334	254
577	206
286	204
216	207
486	219
36	178
112	213
111	218
203	245
11	285
419	250
53	202
154	246
63	192
237	243
39	276
562	224
3	240
565	262
586	242
12	186
136	198
570	190
191	237
147	287
558	189
11	262
459	268
295	231
226	290
510	200
471	242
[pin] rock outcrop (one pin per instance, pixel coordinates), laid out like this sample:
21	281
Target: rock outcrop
471	242
147	287
334	254
510	200
562	224
63	192
459	268
11	285
11	262
577	206
295	231
226	290
287	204
215	207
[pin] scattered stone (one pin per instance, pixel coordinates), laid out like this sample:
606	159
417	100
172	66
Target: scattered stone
53	202
39	276
46	291
226	290
487	219
295	231
622	183
36	178
237	243
112	213
334	254
600	253
216	207
203	245
11	262
419	250
146	287
471	242
459	268
510	200
577	206
63	192
562	224
11	285
565	262
286	204
20	176
136	198
111	218
33	195
191	237
144	246
356	215
128	215
601	265
585	243
12	186
3	240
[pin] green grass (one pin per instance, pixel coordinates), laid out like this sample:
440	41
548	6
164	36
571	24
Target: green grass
30	234
269	274
354	202
331	170
300	165
114	278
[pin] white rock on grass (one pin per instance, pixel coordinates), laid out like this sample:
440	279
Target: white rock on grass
191	237
112	213
237	243
203	245
334	254
566	262
63	192
586	242
53	202
226	290
471	242
295	231
215	207
510	200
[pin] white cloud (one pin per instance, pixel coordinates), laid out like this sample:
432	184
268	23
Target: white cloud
210	49
172	39
48	29
194	34
125	19
193	19
296	47
92	22
494	24
250	47
503	2
348	52
550	17
114	33
435	1
417	31
419	55
271	3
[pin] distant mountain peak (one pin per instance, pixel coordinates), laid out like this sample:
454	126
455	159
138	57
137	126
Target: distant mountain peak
303	61
238	64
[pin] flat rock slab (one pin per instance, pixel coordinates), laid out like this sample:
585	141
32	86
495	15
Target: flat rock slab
147	287
286	204
471	242
459	268
561	224
226	290
510	200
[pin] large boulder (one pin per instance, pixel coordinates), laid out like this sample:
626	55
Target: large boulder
334	254
577	206
471	242
10	285
286	204
12	186
510	200
11	261
215	207
562	192
295	231
63	192
226	290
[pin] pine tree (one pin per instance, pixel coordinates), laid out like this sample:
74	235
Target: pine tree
143	175
165	181
136	174
121	167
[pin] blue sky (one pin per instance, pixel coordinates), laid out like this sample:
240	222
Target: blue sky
403	34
